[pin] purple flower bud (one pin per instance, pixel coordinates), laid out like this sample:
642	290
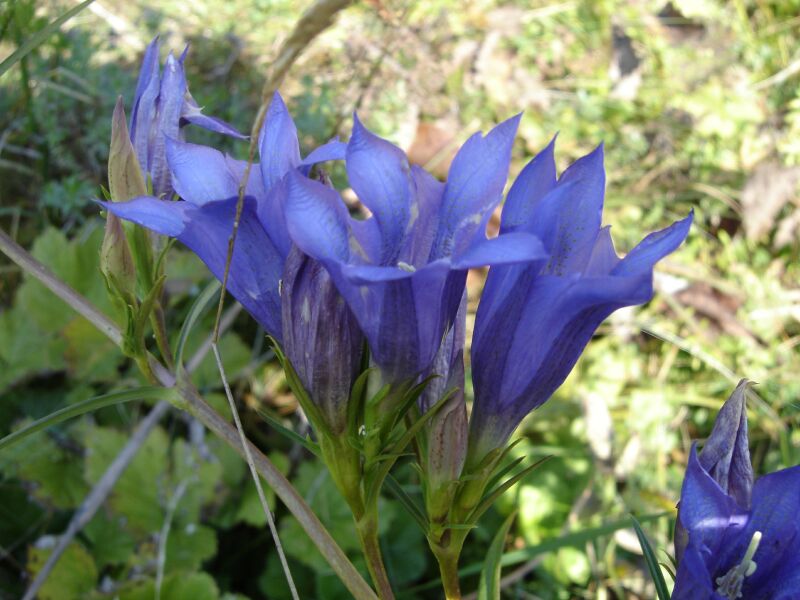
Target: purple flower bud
726	457
321	337
446	433
161	107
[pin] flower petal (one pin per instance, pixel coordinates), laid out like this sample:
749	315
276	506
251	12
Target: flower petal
332	150
316	218
533	183
166	218
200	174
509	248
277	143
143	112
474	187
380	175
654	247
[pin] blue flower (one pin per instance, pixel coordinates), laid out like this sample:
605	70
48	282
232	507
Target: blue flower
726	457
535	319
162	105
403	270
736	551
207	182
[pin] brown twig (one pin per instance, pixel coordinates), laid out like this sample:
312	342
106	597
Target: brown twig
99	493
198	407
114	471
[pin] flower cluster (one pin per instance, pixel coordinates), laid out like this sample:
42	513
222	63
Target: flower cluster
328	287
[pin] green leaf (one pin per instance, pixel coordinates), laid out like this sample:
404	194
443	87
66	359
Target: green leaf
142	490
492	496
651	561
40	36
73	577
75	410
110	541
53	470
306	443
413	509
176	586
489	586
195	312
189	546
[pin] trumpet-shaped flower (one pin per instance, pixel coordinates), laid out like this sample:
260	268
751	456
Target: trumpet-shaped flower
535	319
403	270
207	182
161	106
737	551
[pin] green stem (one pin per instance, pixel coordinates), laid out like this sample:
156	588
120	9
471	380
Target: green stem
158	322
367	526
447	556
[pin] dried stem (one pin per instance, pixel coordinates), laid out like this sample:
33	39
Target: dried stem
195	403
256	479
314	21
98	495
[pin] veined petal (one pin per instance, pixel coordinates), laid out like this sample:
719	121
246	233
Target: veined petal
508	248
380	175
474	187
317	219
534	182
277	143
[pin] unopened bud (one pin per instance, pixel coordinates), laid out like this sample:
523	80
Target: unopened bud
116	262
125	178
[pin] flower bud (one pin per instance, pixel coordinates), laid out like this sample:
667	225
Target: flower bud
116	262
125	179
321	337
446	433
725	457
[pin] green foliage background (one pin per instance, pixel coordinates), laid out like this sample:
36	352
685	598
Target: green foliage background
698	103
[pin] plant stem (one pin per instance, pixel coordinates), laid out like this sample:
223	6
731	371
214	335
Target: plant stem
218	425
367	526
448	568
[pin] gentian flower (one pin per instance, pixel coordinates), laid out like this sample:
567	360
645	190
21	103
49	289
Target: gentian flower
207	182
726	457
743	539
161	107
535	319
321	337
403	270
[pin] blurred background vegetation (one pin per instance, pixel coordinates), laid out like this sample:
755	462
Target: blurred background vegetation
698	103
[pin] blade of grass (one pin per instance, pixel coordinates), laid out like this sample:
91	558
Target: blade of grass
81	408
40	36
489	586
198	306
652	562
